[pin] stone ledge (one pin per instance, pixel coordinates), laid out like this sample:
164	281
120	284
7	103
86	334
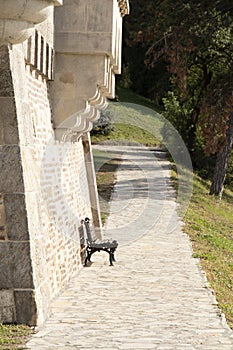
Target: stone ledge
18	18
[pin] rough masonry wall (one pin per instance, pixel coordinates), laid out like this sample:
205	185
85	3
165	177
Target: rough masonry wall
54	197
57	196
46	186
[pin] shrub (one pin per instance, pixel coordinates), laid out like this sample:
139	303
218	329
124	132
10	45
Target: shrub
103	126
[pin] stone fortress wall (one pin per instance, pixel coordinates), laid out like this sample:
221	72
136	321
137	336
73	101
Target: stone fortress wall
50	93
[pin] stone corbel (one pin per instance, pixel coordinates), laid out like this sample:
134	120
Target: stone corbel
82	84
18	18
88	39
81	122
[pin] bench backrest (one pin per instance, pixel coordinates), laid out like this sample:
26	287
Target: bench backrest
90	231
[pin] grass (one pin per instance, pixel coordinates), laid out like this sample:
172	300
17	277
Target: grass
126	95
13	337
135	119
209	225
123	133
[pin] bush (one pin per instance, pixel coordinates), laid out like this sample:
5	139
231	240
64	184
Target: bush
103	126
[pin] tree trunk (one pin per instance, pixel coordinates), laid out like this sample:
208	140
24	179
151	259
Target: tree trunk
222	162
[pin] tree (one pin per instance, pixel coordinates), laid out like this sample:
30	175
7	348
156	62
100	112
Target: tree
197	46
145	80
222	161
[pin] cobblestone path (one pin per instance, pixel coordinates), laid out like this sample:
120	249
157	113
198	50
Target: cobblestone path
155	296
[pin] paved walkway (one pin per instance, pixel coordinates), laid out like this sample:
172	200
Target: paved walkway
155	296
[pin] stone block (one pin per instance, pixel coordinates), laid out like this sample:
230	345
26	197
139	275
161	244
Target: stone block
11	179
6	84
25	305
15	265
8	121
16	217
7	306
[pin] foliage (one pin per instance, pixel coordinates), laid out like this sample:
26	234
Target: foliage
103	126
195	49
143	80
215	113
176	113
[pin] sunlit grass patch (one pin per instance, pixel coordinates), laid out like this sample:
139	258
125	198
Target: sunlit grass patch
13	337
209	225
125	133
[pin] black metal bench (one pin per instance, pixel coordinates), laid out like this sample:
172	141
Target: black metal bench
97	245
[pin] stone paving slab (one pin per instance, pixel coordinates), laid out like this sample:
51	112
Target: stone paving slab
155	296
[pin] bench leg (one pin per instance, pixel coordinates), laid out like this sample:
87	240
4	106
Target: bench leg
90	251
86	260
112	256
89	254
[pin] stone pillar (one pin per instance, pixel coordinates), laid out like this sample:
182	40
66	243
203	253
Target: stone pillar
16	283
88	42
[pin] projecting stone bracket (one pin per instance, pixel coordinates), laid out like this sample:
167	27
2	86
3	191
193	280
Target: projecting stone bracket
81	122
88	55
79	92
